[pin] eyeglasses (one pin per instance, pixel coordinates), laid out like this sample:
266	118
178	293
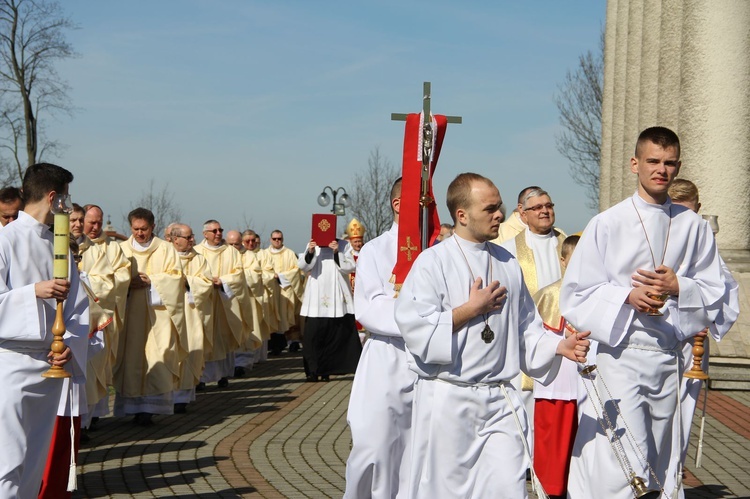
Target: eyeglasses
215	231
539	207
236	245
189	238
277	239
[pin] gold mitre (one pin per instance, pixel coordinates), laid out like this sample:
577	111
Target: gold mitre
355	230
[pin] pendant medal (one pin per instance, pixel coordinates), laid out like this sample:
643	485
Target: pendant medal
487	334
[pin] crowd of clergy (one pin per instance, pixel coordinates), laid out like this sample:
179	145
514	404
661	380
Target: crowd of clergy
167	315
470	375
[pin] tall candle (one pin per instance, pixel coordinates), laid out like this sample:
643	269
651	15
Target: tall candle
61	246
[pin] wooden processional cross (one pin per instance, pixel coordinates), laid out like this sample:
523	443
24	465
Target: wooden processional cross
427	133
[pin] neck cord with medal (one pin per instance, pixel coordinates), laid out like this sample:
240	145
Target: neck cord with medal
487	334
648	242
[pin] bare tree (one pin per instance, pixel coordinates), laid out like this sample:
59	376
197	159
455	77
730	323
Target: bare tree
32	40
161	202
371	194
579	101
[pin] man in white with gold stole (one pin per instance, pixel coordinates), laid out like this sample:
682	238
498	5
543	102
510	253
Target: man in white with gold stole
470	325
642	255
30	403
153	341
232	313
199	293
92	227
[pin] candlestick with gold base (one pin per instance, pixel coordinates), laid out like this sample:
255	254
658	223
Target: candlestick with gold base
61	208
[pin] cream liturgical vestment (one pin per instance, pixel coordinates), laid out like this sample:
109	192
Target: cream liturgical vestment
287	296
232	312
380	404
100	276
466	441
153	341
254	278
121	266
29	403
198	305
510	228
639	356
271	285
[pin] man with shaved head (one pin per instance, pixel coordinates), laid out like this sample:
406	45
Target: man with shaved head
198	302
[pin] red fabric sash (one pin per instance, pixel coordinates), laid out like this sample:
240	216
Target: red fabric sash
410	219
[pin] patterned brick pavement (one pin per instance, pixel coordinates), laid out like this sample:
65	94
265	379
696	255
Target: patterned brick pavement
271	435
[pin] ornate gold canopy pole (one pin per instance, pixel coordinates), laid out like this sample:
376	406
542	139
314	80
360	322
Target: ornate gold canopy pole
62	209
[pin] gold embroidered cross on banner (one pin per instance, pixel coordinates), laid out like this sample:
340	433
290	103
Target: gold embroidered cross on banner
409	248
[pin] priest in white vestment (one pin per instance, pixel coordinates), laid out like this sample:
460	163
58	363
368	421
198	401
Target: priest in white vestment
153	341
244	357
287	289
29	403
198	298
331	342
232	306
92	227
99	276
251	243
641	257
470	325
379	413
537	249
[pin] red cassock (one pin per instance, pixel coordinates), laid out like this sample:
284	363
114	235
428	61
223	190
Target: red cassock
555	426
55	481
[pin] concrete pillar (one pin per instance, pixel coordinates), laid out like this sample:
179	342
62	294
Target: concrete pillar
683	64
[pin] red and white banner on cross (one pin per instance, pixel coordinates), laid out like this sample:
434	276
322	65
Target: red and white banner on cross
410	217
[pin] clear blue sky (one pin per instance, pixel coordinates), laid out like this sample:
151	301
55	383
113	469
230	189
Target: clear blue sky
247	109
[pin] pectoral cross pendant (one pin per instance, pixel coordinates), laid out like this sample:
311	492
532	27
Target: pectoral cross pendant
487	334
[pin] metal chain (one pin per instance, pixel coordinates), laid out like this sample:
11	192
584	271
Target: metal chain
628	433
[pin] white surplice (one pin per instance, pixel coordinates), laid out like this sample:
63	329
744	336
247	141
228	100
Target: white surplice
466	442
639	356
380	403
29	403
327	289
691	388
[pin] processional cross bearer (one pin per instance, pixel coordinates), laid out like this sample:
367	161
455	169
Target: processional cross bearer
423	139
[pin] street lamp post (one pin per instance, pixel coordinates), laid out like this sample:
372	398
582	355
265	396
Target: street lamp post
339	209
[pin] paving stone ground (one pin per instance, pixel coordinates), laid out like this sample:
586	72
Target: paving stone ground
272	435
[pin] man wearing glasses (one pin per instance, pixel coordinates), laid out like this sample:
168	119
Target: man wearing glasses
198	302
286	290
232	312
537	249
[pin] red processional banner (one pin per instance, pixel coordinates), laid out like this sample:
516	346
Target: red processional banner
410	214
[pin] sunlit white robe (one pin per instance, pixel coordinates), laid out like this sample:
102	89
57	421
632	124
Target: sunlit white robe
29	403
638	355
379	414
466	442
